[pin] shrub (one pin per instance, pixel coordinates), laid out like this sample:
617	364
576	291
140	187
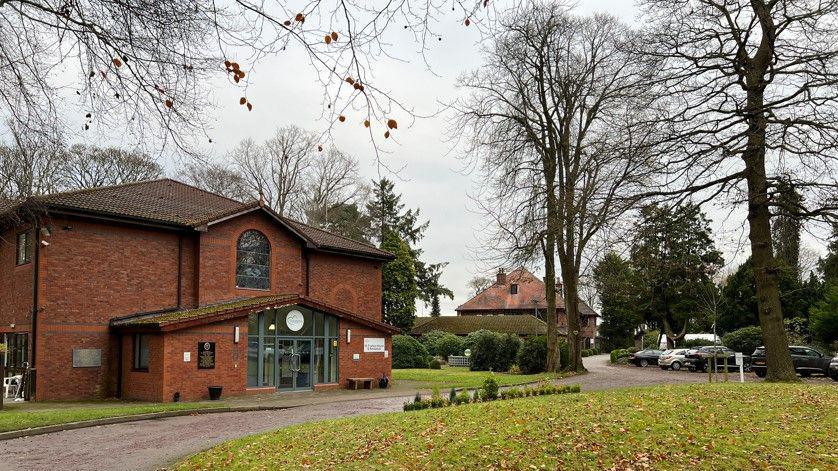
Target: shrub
463	397
452	396
492	351
532	356
430	339
823	317
632	349
564	354
514	370
490	389
618	354
744	340
434	364
651	339
449	344
692	343
409	352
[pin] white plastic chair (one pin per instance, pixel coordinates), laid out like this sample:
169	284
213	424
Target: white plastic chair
12	383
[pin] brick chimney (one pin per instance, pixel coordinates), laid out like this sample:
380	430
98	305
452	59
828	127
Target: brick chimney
501	277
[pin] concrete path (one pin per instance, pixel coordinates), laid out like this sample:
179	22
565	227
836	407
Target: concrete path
152	444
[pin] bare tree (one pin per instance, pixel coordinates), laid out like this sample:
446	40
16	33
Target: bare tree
479	284
146	65
217	178
331	180
31	164
560	101
91	167
275	170
752	94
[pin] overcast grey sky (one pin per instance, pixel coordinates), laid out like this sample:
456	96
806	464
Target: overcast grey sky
284	91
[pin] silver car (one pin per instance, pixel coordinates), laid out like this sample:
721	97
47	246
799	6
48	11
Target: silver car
672	359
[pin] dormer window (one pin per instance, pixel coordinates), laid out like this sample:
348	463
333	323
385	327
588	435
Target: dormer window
513	288
253	261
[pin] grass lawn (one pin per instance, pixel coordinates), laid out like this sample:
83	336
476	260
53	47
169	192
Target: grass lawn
461	377
17	416
695	427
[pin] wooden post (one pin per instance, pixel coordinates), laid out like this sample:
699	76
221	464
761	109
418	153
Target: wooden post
725	368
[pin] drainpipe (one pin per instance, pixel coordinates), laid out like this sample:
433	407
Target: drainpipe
34	329
179	270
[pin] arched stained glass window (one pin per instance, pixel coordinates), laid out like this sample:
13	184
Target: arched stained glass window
253	261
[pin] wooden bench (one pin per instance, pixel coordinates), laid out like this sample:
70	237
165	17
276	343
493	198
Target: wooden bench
366	383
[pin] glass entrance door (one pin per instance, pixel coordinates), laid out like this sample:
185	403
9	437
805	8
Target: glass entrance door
294	364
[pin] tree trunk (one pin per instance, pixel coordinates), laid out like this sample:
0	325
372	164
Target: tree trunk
778	358
571	306
671	336
553	357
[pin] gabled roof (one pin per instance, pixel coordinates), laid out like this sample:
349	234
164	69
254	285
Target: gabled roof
170	203
525	324
182	318
531	295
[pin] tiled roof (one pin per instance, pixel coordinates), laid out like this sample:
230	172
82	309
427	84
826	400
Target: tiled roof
525	324
327	240
174	319
172	203
165	201
531	295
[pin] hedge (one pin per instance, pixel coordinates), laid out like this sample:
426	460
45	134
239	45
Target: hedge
409	353
744	340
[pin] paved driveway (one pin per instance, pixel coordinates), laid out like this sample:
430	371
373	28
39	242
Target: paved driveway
152	444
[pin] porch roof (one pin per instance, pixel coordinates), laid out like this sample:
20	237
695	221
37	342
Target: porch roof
176	319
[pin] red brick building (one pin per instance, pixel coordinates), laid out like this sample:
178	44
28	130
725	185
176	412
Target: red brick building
157	290
521	293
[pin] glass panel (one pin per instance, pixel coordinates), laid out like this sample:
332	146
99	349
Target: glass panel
318	324
333	360
303	360
282	328
286	364
253	261
268	362
253	360
268	322
319	360
253	324
332	326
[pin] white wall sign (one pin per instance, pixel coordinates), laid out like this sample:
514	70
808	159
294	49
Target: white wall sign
386	353
373	345
356	356
294	320
187	356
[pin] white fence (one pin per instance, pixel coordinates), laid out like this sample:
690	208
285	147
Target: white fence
458	361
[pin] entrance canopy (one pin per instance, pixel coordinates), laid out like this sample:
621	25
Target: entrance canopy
176	319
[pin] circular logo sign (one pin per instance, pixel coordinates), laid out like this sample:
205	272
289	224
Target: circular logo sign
294	320
206	346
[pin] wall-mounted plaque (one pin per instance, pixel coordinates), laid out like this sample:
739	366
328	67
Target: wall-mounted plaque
206	355
87	357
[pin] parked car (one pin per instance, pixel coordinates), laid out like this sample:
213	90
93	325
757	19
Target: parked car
833	368
700	358
806	360
673	359
645	357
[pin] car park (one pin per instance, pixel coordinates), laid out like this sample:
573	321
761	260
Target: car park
673	359
806	361
645	357
699	359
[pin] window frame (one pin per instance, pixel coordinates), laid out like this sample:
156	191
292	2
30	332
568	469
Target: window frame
28	247
267	255
513	288
137	348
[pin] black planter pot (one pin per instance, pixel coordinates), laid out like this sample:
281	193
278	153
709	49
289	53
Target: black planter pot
214	392
383	382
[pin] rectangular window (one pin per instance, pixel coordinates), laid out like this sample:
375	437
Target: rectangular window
24	248
253	360
513	289
141	352
333	360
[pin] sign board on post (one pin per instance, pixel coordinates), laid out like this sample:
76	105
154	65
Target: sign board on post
373	345
206	355
741	362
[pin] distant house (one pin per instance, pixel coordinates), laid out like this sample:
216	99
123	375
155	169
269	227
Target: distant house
520	293
525	325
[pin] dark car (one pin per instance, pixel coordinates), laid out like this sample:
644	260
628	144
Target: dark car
702	357
833	369
806	361
645	357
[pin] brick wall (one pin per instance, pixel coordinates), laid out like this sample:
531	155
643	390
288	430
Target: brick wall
217	264
230	370
143	385
350	283
15	286
370	365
